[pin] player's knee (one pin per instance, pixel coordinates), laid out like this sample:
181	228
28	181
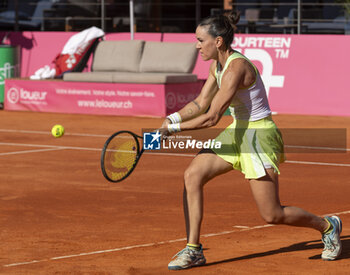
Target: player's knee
273	217
189	175
192	178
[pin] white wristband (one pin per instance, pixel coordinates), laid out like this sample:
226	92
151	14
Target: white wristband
174	128
174	118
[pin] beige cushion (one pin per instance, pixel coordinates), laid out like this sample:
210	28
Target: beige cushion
129	77
89	77
156	78
168	57
118	56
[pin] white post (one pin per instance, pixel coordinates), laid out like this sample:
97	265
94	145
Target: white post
198	12
16	27
103	15
131	19
299	16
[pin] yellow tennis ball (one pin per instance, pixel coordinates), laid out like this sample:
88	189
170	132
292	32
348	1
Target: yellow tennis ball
57	131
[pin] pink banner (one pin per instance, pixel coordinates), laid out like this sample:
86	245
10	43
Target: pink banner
85	98
98	98
177	96
303	74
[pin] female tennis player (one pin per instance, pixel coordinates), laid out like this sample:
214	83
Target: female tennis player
252	144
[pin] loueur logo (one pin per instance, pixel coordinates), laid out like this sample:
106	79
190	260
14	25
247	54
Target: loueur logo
13	95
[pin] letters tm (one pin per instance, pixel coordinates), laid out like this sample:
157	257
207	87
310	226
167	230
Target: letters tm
280	53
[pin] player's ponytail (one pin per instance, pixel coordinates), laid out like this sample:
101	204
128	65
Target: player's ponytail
233	18
222	25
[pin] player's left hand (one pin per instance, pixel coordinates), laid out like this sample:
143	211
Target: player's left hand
164	129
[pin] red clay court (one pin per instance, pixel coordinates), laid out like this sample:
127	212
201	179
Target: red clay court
60	216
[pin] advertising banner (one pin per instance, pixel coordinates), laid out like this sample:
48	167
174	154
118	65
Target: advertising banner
303	74
85	98
178	95
123	99
9	65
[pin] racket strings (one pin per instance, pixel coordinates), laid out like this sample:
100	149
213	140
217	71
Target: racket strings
120	157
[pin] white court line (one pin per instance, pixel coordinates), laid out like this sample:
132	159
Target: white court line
51	146
318	163
317	148
162	154
30	151
243	228
49	133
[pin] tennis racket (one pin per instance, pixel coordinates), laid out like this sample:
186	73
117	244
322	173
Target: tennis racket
120	155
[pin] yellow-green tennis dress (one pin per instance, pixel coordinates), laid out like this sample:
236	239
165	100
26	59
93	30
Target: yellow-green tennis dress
252	143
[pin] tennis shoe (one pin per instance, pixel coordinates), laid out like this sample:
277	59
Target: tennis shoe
187	258
331	240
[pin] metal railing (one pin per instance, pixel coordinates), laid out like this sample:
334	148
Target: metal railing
304	17
158	17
